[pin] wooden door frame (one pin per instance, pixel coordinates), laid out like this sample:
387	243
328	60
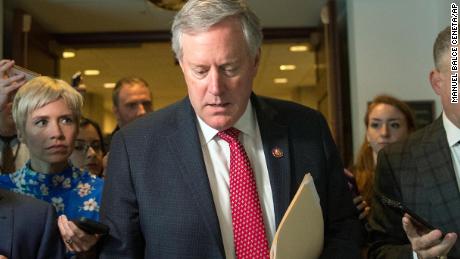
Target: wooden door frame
339	78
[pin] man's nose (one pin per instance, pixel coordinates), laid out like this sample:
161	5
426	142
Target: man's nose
215	85
141	109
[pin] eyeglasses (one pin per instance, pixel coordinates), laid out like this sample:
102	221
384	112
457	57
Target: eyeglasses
83	147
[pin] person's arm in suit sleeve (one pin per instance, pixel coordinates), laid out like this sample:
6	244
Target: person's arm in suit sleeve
387	235
342	234
119	209
51	245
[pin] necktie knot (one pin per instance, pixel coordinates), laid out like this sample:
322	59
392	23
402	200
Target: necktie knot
230	135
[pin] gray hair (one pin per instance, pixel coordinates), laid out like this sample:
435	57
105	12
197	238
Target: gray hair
441	47
41	91
200	15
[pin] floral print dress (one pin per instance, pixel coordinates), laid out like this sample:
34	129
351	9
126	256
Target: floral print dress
73	192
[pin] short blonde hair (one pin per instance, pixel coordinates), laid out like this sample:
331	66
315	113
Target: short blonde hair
40	91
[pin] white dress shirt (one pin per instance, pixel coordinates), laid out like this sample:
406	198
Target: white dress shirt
216	154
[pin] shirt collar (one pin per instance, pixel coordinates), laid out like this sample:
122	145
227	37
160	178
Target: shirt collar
453	133
246	124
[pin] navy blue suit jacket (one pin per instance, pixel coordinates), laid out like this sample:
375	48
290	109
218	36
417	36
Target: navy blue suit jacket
28	228
157	198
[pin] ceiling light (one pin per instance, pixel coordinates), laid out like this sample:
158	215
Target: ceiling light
92	72
109	85
68	54
280	80
298	48
287	67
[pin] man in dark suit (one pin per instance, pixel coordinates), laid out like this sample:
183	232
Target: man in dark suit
423	173
28	228
171	188
131	99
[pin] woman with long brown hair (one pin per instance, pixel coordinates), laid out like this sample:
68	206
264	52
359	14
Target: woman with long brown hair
387	120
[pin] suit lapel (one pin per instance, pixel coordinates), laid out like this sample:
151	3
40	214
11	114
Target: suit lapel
440	182
275	137
186	146
6	223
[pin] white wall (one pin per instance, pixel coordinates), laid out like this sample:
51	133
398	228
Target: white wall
390	48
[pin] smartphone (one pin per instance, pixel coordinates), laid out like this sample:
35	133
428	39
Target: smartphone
91	226
17	70
419	222
351	181
353	186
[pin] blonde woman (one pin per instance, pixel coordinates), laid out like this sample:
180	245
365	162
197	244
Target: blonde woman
47	112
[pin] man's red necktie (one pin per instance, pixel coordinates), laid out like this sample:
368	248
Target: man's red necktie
248	224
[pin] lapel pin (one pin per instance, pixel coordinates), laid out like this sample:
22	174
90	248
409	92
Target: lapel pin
277	152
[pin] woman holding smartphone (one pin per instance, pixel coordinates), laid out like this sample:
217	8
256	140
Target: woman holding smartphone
387	120
47	112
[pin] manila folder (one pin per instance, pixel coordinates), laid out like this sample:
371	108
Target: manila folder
301	231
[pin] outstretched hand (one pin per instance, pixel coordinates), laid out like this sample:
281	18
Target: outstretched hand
75	239
360	204
428	244
8	85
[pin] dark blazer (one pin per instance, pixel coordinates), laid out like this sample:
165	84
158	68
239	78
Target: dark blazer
28	228
158	202
419	172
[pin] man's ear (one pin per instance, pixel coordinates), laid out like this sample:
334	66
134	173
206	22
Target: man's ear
436	81
116	113
256	62
181	65
257	59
